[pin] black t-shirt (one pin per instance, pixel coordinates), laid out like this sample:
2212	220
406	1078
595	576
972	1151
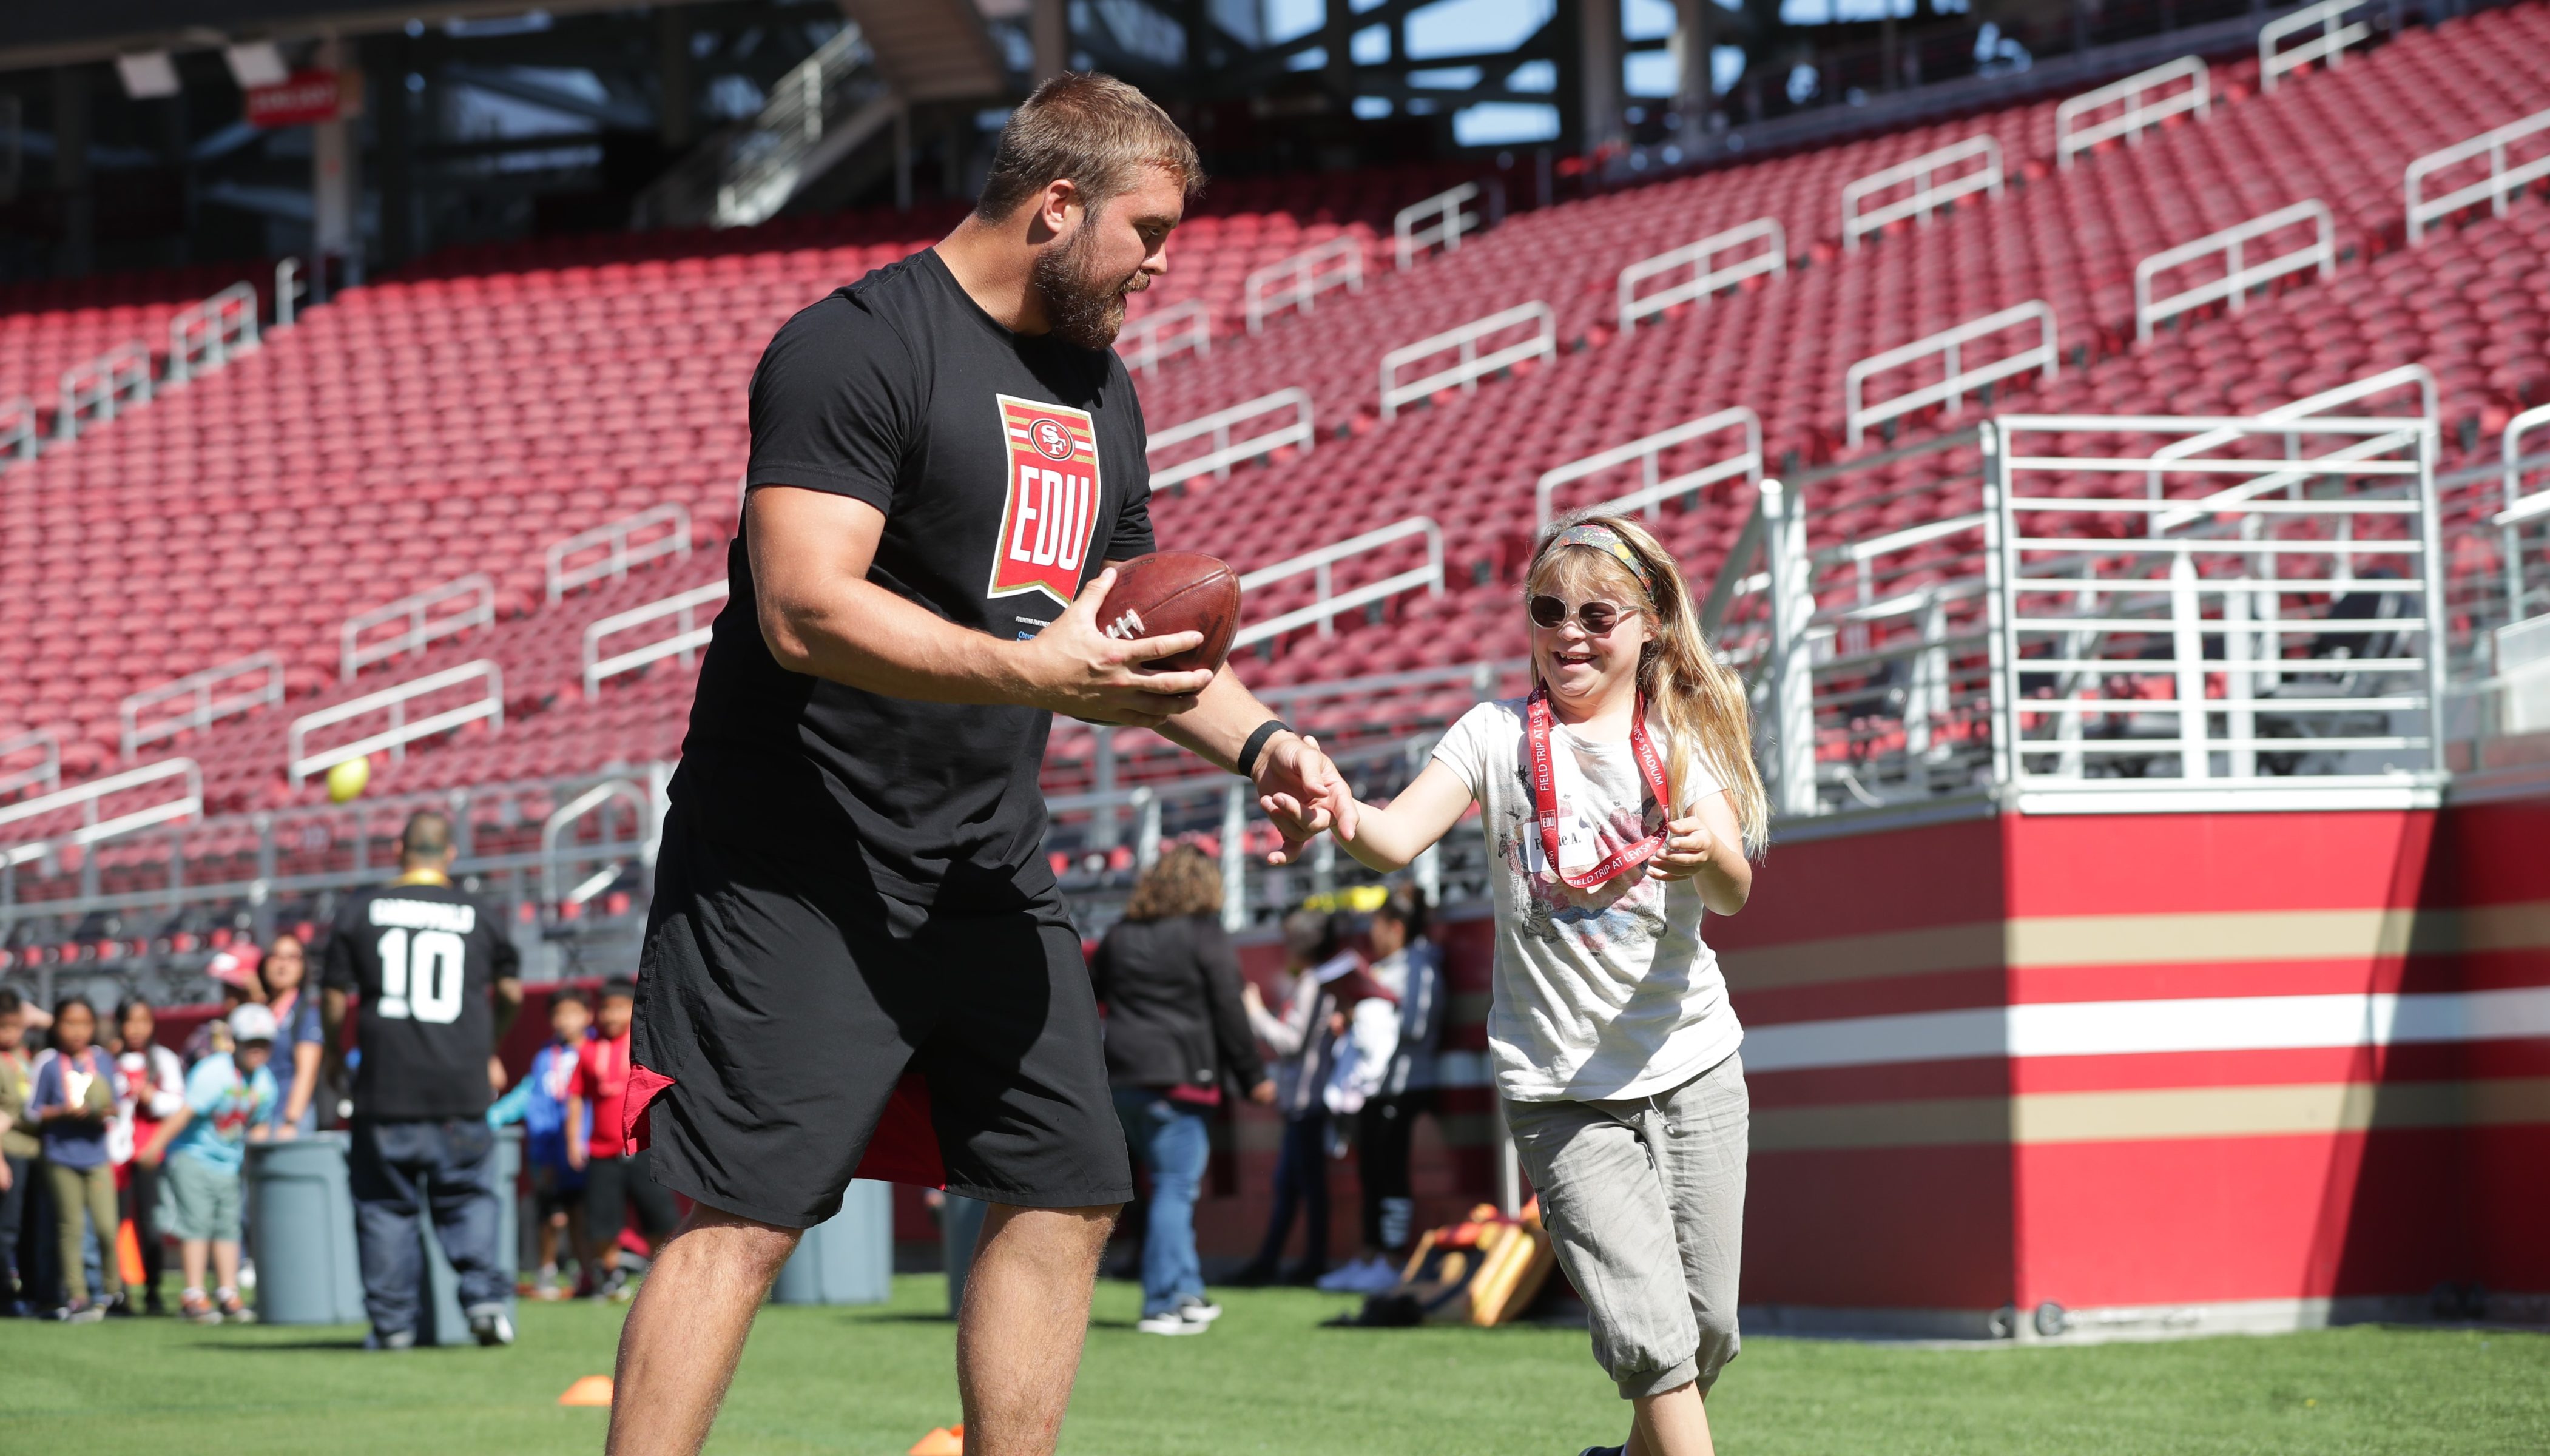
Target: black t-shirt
423	958
1011	470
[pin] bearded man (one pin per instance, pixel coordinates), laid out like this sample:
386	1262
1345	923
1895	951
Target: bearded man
947	463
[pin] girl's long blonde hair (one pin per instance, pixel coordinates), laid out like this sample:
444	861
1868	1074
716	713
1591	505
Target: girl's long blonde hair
1699	700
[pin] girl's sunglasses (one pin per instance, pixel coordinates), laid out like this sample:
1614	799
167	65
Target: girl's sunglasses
1597	617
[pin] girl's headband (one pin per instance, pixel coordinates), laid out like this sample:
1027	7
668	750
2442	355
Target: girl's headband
1605	539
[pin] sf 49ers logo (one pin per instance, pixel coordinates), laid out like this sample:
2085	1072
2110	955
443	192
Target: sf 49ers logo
1050	516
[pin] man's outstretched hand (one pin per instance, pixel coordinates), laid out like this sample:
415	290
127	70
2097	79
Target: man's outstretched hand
1302	793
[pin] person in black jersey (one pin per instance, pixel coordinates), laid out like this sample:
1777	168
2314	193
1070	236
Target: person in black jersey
946	463
438	978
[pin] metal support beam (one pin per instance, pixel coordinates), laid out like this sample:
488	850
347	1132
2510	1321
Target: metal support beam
77	250
336	186
1599	97
673	112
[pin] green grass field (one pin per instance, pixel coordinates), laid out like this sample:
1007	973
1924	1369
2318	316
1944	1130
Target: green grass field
1267	1379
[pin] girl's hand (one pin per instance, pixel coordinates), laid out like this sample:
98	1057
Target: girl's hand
1687	846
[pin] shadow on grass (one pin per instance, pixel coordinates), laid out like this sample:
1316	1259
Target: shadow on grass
278	1347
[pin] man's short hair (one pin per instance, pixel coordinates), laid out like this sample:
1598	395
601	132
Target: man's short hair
565	994
10	1004
621	987
427	835
1092	130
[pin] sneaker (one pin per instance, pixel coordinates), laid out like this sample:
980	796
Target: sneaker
614	1288
118	1306
404	1340
197	1309
1380	1277
1198	1311
492	1328
1603	1451
1173	1323
234	1312
1340	1280
80	1312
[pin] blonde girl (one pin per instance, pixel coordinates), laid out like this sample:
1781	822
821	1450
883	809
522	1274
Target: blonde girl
1621	804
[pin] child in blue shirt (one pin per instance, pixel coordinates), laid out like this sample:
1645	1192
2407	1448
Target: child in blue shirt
230	1103
539	1103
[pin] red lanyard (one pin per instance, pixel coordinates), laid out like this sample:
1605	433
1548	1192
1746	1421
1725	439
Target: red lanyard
1545	794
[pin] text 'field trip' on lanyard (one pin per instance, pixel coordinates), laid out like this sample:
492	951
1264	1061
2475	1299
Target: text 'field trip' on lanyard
1545	795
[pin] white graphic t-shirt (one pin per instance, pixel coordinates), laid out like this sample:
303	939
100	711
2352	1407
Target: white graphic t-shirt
1603	993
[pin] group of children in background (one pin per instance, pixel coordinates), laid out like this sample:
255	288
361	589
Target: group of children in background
1354	1062
102	1127
100	1130
585	1174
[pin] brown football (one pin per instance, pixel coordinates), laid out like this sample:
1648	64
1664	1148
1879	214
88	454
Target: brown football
1170	592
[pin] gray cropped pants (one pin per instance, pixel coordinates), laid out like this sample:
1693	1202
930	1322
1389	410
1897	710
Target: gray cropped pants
1644	1202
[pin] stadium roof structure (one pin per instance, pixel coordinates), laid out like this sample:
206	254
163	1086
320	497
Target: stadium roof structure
32	35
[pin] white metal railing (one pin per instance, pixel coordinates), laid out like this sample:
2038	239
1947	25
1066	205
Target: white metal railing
2503	181
563	818
1928	194
288	291
1220	425
689	634
95	825
253	682
1163	333
2142	101
1412	234
1464	340
2286	477
2290	644
205	337
93	393
818	112
786	144
476	592
1705	279
301	760
2337	33
1958	381
1320	564
1649	454
2520	510
22	436
48	771
2232	244
620	548
1297	281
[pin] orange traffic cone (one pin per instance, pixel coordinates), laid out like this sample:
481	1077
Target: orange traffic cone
591	1389
948	1440
128	1259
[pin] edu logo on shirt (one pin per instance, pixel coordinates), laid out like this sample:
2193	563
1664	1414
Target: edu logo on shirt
1051	515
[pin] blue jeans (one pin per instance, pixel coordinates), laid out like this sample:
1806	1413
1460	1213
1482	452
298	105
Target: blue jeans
1171	1140
1301	1186
449	1168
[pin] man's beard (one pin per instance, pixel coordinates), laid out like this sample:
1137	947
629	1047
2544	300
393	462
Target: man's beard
1079	309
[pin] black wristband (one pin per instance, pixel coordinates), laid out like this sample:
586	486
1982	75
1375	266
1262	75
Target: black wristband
1256	745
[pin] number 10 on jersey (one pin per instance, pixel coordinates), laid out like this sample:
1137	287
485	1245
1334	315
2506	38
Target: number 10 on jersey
422	975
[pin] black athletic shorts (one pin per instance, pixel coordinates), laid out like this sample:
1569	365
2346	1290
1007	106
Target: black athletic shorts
785	1005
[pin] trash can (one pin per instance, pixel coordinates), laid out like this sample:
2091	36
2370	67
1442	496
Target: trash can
961	1227
848	1259
440	1321
301	1232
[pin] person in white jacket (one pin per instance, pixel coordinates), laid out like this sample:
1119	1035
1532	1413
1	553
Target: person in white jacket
1303	1049
154	1088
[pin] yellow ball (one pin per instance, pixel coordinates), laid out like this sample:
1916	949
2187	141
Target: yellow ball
347	780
